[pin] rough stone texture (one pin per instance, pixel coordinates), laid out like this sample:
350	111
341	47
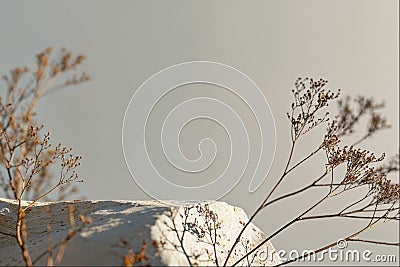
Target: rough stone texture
174	235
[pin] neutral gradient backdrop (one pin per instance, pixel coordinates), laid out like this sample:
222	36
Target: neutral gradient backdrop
353	44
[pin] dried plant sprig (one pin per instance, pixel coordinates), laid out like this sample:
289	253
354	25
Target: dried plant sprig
205	229
22	146
26	155
310	97
380	203
210	228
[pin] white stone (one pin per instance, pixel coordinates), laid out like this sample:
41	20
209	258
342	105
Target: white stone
134	222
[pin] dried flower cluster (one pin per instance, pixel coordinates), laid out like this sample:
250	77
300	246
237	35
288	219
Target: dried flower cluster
309	98
361	172
26	154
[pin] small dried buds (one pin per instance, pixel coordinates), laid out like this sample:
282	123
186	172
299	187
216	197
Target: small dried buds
309	98
360	171
26	152
209	216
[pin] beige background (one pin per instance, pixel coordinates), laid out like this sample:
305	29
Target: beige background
353	44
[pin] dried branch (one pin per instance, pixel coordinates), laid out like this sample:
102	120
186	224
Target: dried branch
382	197
26	155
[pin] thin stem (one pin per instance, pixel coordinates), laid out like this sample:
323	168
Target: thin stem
214	243
180	238
298	218
261	206
21	234
350	237
305	159
42	196
295	192
265	203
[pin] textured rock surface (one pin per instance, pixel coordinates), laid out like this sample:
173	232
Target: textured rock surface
173	235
